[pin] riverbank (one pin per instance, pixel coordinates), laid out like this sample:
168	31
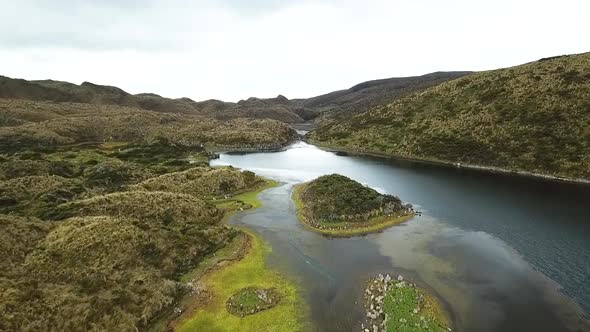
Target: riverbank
345	229
487	169
253	149
238	266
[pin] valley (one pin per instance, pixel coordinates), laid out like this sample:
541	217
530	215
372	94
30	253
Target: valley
396	204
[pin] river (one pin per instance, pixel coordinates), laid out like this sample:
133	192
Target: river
502	253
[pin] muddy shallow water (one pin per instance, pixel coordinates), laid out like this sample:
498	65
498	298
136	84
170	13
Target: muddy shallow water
502	253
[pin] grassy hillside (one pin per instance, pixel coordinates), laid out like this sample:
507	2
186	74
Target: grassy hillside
31	123
532	118
97	237
339	105
88	93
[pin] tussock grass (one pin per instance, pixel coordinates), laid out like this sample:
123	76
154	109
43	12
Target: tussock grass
203	182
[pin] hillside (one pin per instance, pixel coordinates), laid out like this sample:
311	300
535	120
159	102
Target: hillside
339	105
25	124
57	91
97	237
530	118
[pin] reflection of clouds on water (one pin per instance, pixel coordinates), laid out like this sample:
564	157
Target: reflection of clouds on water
488	285
481	277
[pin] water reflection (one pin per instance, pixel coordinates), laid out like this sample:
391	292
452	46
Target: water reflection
462	248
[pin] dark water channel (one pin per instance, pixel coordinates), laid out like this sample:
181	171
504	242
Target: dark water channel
503	253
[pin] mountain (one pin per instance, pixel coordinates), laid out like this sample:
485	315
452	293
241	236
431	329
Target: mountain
530	118
341	104
333	106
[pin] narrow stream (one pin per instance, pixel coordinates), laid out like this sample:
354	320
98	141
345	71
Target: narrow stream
502	253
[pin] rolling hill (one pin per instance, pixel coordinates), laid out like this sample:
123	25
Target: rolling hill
339	105
531	118
280	108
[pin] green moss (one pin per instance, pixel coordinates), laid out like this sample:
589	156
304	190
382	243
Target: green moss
411	309
251	271
251	197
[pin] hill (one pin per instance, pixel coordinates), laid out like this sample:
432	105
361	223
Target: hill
530	118
57	91
97	237
25	124
339	105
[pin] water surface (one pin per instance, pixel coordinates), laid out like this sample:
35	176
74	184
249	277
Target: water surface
503	253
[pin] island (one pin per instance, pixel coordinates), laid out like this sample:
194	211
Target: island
339	206
394	304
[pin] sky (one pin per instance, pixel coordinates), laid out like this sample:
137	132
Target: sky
232	49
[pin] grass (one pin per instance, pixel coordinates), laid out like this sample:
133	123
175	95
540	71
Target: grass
346	229
251	197
251	271
244	201
104	253
400	304
251	300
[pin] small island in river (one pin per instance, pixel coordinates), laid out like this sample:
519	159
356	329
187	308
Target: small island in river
338	206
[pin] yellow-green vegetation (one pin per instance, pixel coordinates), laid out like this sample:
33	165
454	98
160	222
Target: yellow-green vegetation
251	271
399	305
417	309
38	124
279	108
338	206
86	247
251	197
530	118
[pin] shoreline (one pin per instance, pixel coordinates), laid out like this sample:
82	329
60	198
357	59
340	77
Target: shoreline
269	148
374	225
225	271
479	168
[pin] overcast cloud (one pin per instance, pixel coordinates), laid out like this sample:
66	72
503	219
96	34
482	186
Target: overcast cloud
233	49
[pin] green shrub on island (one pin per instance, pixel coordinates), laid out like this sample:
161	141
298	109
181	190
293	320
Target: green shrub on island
337	203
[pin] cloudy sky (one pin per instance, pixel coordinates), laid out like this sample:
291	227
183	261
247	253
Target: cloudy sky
233	49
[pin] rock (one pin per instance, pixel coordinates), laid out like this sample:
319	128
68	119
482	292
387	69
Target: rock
400	278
